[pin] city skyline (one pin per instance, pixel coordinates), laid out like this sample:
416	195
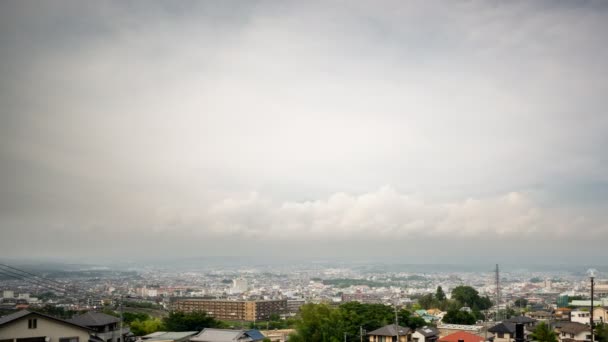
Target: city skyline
427	131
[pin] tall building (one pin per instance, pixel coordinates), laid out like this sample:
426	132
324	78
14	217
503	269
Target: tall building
232	310
239	285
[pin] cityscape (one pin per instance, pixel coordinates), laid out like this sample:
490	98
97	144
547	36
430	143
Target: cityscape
303	171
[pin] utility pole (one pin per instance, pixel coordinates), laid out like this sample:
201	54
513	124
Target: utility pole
396	323
121	319
497	292
361	332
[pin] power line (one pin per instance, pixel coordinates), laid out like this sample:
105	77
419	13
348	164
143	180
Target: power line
32	274
30	281
35	279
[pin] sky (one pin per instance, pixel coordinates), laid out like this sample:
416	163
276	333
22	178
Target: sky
460	131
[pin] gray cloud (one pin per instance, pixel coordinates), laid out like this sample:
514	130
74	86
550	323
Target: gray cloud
161	120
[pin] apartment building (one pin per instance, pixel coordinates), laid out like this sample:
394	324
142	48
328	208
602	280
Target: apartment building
232	310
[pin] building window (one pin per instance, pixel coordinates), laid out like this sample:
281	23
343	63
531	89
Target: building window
501	335
68	339
32	323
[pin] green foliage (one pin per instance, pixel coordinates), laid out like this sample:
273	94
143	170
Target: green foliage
544	333
129	317
459	317
601	332
407	319
322	323
468	296
521	302
190	321
439	294
145	327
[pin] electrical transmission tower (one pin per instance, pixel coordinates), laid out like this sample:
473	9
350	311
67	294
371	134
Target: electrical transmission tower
498	315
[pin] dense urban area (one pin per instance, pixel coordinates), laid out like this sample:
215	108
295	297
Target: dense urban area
309	302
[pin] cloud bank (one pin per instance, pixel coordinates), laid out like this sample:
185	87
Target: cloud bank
219	124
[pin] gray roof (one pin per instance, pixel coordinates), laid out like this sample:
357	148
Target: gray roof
390	330
226	335
23	313
503	328
170	336
428	331
94	319
520	319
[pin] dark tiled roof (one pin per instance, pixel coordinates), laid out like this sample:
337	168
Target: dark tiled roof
94	319
23	313
390	330
503	328
574	328
13	316
520	319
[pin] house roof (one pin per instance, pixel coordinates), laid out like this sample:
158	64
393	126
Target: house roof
428	331
24	313
390	330
574	328
170	335
520	319
227	335
461	335
503	328
94	319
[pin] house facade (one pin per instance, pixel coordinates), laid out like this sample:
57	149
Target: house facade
27	326
391	333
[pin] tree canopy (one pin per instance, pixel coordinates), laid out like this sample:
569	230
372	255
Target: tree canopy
468	296
544	333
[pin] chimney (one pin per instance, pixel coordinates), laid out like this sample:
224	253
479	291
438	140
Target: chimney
519	332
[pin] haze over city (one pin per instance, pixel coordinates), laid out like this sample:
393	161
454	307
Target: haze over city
422	132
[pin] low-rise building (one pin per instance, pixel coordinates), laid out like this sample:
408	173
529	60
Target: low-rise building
425	334
389	333
572	331
27	326
169	336
105	327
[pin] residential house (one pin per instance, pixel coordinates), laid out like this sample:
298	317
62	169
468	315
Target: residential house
572	331
389	333
528	322
580	316
105	327
600	314
27	326
461	336
227	335
425	334
540	315
503	332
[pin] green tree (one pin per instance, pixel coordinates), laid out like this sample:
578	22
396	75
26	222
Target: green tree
544	333
129	317
140	328
440	295
468	296
427	301
459	317
601	332
190	321
521	302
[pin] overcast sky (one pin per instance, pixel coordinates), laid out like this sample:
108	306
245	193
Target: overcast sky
431	131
